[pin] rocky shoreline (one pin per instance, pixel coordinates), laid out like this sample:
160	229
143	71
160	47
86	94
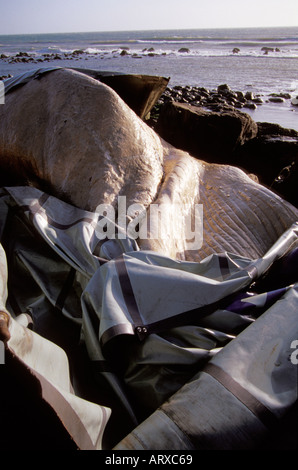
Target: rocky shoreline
24	57
122	51
216	100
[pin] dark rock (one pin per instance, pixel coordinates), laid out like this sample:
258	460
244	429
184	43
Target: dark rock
250	105
249	95
267	49
273	156
223	88
22	54
184	49
236	50
124	52
286	96
203	90
240	96
268	129
211	136
3	56
257	100
276	99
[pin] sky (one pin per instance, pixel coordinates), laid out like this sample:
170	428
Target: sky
59	16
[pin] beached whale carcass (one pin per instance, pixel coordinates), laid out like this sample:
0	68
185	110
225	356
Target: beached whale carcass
56	266
51	135
76	138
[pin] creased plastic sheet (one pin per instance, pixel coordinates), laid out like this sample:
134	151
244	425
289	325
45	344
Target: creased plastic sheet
238	397
150	323
85	422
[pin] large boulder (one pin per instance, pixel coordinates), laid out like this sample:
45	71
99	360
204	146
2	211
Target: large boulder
273	156
210	136
140	92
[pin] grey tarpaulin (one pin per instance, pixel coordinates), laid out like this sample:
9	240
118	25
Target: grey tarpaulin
237	397
44	367
13	82
149	323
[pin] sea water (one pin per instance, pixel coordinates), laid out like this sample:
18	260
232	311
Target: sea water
261	60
